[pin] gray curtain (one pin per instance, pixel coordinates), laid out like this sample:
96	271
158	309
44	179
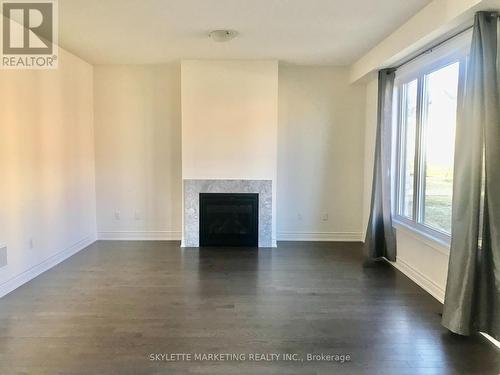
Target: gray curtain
380	238
472	292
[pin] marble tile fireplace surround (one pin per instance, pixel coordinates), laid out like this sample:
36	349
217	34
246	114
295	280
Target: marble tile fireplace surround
193	188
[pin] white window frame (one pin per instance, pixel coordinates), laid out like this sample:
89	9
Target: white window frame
455	50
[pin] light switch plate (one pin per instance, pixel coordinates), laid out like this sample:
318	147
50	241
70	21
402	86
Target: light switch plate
3	256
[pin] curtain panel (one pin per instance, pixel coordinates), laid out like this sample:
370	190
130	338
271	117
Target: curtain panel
472	291
380	237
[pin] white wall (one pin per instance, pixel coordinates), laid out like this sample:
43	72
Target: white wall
423	260
369	146
47	196
321	120
439	19
229	120
320	154
138	151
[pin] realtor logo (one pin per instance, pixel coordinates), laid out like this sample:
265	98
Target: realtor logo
29	34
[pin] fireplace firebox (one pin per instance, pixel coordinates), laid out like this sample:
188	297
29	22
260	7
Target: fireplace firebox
229	219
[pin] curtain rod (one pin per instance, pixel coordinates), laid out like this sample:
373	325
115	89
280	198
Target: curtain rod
430	49
438	44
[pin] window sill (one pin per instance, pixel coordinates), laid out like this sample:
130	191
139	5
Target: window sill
436	243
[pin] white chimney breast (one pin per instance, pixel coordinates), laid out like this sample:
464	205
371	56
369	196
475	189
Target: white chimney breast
230	121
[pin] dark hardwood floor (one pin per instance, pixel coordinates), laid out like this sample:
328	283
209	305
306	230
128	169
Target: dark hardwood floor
109	307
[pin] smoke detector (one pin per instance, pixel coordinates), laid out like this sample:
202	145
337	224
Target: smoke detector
222	35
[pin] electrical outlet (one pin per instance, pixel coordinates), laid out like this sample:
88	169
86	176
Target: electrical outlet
3	256
137	215
117	215
299	216
32	244
324	217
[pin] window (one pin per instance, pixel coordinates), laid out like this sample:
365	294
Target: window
428	96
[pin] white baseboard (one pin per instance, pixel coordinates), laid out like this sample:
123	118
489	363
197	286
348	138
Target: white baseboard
429	286
47	264
177	236
319	236
139	235
437	291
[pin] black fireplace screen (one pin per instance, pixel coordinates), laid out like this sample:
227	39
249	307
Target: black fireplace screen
229	219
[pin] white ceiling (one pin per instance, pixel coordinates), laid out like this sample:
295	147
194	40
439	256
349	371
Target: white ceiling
335	32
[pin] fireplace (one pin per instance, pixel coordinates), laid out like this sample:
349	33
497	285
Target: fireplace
262	191
229	219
